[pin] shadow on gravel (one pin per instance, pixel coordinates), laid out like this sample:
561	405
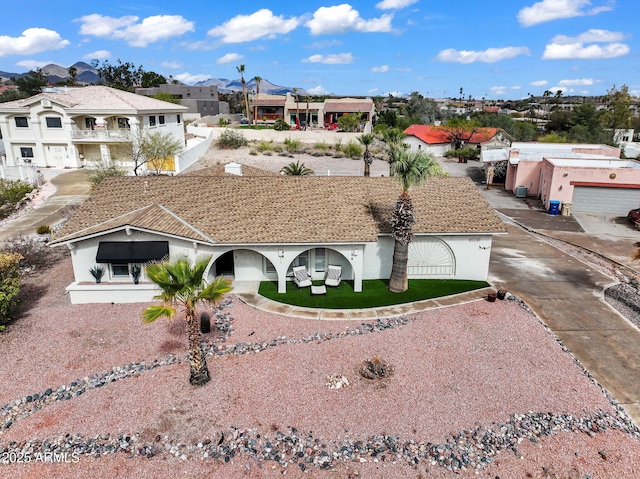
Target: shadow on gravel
31	292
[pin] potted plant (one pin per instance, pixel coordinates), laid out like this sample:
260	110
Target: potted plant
97	272
135	273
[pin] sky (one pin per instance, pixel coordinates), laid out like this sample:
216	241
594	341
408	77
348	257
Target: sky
499	49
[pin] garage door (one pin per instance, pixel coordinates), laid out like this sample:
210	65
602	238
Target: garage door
618	201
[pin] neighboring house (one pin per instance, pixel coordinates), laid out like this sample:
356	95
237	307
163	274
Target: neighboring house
269	108
70	128
592	178
436	141
624	140
201	100
259	227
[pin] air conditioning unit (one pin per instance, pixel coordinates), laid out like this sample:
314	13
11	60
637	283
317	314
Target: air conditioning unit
46	103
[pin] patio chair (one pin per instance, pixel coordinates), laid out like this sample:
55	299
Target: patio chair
333	275
301	277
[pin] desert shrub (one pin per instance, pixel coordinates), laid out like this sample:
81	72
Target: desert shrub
253	152
264	146
352	150
278	148
222	122
322	146
291	145
337	144
34	252
44	230
9	285
231	140
11	194
281	125
100	170
375	369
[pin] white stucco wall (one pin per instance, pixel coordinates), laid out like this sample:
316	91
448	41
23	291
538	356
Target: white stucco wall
416	144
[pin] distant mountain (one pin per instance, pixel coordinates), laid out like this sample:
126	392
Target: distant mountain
86	73
266	87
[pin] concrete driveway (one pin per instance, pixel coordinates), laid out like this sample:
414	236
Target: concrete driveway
566	294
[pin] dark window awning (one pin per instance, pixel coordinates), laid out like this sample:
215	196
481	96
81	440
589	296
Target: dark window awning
131	251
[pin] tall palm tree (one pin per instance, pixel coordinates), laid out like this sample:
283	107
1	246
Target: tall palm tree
257	79
244	89
295	93
411	169
366	140
183	285
393	138
73	74
296	169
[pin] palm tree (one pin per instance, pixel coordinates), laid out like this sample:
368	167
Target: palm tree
244	89
366	140
183	285
411	169
295	93
393	138
73	74
257	79
296	169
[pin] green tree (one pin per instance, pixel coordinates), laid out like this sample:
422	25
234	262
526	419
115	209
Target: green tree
31	83
281	125
159	151
164	96
618	114
152	79
244	89
297	169
349	122
142	147
411	169
420	110
393	138
258	80
459	131
367	140
183	285
73	74
123	76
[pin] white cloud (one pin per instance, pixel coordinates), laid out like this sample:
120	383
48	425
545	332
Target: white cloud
516	87
590	36
150	30
229	58
98	55
555	51
324	44
548	10
261	24
32	40
498	90
343	18
578	82
539	83
490	55
318	90
188	78
33	64
373	90
167	64
331	59
394	4
380	69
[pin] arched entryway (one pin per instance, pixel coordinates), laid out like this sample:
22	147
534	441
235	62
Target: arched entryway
224	265
316	261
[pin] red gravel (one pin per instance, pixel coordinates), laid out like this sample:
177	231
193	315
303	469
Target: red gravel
455	368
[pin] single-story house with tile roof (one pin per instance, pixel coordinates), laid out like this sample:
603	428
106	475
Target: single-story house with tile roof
259	227
67	129
436	141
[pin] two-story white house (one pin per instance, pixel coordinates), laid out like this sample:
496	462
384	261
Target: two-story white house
69	128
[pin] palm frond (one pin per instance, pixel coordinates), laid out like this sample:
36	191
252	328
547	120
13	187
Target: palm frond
216	290
151	313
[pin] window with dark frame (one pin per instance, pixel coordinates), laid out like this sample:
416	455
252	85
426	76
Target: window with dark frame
120	270
123	123
21	122
53	122
178	119
152	120
161	119
26	152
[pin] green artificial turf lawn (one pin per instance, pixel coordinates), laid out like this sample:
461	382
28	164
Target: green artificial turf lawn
374	293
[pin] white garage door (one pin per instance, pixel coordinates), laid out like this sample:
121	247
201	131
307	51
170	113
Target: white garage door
618	201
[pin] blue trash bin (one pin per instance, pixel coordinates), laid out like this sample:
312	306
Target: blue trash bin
554	207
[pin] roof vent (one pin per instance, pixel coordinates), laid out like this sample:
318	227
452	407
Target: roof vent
46	103
233	169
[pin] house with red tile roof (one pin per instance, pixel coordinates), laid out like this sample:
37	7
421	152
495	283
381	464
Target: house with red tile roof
436	140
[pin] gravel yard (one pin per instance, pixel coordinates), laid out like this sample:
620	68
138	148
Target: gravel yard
475	374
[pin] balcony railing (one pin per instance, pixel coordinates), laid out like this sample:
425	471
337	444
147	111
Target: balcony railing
100	135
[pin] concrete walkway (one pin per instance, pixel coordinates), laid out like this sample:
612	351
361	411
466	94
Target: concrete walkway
71	187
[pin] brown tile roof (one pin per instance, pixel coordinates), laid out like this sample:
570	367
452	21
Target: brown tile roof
278	209
344	105
219	171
